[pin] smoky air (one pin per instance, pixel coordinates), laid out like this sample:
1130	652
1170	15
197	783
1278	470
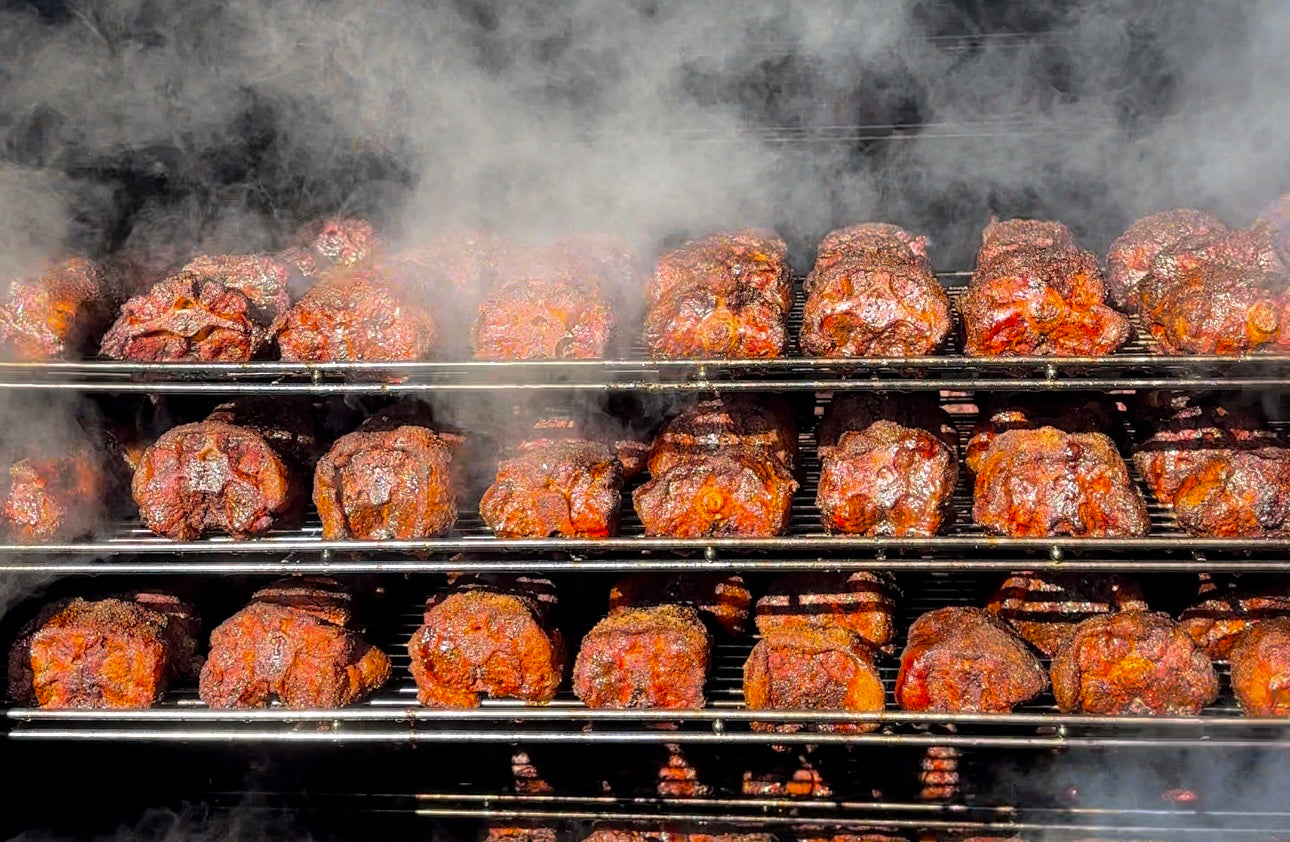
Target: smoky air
195	127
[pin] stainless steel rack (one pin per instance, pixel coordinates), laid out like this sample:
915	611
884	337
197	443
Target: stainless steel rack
128	547
1141	364
393	715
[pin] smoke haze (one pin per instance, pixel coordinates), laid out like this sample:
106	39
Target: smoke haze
131	121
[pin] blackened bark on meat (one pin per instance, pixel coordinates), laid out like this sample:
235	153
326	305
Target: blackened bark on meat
872	294
393	478
491	637
1035	292
885	470
57	315
237	472
724	296
215	309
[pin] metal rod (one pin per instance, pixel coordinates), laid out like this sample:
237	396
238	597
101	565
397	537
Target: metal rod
301	542
518	712
695	386
183	565
220	735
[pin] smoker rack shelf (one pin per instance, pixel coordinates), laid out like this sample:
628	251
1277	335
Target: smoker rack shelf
393	715
128	547
791	819
1139	365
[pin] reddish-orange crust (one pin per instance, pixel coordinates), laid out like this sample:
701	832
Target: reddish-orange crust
1132	662
644	658
817	669
966	660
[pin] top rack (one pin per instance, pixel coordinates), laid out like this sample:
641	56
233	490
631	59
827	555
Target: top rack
1140	364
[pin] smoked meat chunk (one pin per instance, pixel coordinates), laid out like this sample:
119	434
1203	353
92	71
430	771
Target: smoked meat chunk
215	309
58	314
391	479
359	314
566	487
1133	662
295	643
1035	292
1260	661
872	294
725	296
489	636
644	658
966	660
109	653
1049	482
827	669
885	469
238	472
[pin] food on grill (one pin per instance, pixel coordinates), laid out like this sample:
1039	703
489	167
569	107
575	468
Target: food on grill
799	779
716	425
1075	413
885	468
56	490
566	487
827	669
1216	290
552	308
1134	253
653	657
852	837
1260	660
295	643
109	653
872	294
861	603
392	478
238	472
1221	470
1132	662
489	636
215	309
458	262
736	492
1045	608
661	835
1275	222
966	660
722	467
721	599
1221	615
355	315
678	777
727	295
1050	482
1035	292
57	314
521	834
344	241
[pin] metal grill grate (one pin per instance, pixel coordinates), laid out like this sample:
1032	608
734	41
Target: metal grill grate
131	548
393	715
1139	365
